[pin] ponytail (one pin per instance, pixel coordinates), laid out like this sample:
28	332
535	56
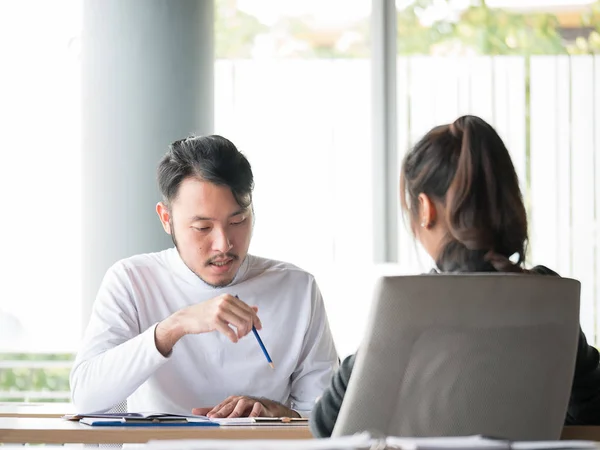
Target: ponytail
466	167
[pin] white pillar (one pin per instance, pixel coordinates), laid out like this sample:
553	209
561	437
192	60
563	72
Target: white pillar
147	80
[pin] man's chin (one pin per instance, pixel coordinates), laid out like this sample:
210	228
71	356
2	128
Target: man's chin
218	281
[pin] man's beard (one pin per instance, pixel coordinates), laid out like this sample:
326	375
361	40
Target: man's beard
231	256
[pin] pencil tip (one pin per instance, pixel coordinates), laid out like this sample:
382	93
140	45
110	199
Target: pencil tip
272	365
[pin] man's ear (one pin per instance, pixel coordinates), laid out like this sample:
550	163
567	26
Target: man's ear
164	215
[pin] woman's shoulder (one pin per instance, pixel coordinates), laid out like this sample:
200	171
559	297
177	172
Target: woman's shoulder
543	270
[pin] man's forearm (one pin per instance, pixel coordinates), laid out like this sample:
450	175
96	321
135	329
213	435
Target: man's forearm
124	368
167	334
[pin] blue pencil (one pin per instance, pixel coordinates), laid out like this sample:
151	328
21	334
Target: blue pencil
262	346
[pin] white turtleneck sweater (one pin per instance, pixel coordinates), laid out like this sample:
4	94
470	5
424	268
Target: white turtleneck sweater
118	359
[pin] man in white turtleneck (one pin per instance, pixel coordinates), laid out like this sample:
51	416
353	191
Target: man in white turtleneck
171	331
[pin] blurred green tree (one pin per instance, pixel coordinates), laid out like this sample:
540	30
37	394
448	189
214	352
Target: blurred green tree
424	27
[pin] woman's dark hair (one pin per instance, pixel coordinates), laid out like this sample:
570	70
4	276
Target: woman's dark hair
465	169
210	158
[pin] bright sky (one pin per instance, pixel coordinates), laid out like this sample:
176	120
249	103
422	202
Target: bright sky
330	11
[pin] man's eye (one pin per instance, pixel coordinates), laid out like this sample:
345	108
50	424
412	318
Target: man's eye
239	222
202	228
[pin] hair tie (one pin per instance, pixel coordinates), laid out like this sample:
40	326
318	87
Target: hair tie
501	263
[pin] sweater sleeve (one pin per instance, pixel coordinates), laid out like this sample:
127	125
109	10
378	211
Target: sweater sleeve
584	403
116	357
326	410
318	358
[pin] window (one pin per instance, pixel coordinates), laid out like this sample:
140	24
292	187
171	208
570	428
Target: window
40	299
293	93
531	69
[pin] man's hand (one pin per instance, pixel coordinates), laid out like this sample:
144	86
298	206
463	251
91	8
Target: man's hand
242	406
212	315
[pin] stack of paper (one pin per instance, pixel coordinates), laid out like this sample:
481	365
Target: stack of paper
362	441
483	443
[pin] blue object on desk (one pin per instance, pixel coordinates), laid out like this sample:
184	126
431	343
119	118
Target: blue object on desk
123	422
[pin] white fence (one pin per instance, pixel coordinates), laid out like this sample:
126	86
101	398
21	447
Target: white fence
305	126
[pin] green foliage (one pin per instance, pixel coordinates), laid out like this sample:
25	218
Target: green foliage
477	29
414	37
37	356
235	31
497	32
28	379
591	19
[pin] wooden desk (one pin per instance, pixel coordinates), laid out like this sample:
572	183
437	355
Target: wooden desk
581	433
58	431
35	410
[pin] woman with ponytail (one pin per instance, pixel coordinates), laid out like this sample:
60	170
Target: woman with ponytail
460	193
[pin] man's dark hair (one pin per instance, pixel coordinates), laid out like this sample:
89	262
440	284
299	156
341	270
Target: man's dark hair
208	158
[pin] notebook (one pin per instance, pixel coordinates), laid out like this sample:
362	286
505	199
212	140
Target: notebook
153	418
141	419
